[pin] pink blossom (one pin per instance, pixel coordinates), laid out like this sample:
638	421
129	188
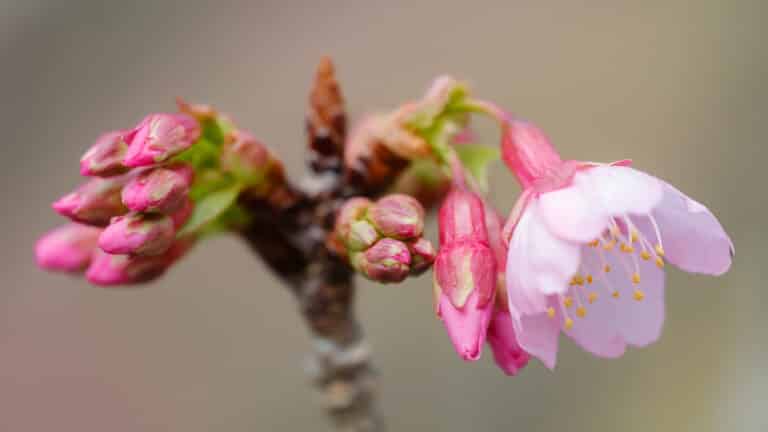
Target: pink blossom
161	190
159	137
464	272
67	248
138	234
105	157
588	247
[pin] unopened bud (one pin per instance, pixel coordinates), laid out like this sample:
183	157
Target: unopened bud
362	235
67	248
422	255
462	218
110	270
507	353
386	261
138	234
105	157
159	137
161	190
94	202
467	326
353	209
398	216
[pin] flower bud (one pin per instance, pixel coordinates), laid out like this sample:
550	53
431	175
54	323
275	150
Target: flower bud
463	268
161	190
462	218
182	215
398	216
138	234
159	137
353	209
67	248
94	202
467	326
110	270
105	157
422	255
386	261
362	235
507	353
251	161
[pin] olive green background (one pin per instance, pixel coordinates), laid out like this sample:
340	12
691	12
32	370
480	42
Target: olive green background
216	345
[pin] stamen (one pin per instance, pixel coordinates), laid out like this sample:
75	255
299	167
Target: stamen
645	255
592	297
568	323
568	301
627	248
635	278
589	279
659	250
615	294
594	243
659	247
607	268
633	235
639	295
659	262
551	312
581	311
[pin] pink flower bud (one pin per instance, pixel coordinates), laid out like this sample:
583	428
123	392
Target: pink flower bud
161	190
422	255
159	137
105	157
509	356
462	218
138	234
67	248
386	261
110	270
353	209
527	152
94	202
398	216
463	268
362	235
466	326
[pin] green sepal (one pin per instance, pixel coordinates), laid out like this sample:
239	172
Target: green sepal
476	158
210	207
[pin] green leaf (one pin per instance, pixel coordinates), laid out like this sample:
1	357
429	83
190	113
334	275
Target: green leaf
476	158
210	207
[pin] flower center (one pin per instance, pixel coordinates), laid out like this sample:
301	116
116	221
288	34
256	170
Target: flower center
623	243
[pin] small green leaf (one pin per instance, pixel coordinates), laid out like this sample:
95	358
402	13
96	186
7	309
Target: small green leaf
476	158
210	207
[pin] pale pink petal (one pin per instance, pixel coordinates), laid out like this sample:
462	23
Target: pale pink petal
538	263
693	238
619	189
571	213
597	332
538	336
639	322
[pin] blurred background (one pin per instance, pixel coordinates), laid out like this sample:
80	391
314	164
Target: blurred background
216	345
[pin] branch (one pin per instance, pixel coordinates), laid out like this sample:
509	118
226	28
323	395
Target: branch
288	230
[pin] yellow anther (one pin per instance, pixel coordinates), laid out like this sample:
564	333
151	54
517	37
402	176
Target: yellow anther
594	243
568	323
551	312
659	250
638	295
659	262
627	248
615	231
608	246
592	297
568	301
633	236
589	278
615	294
645	255
581	311
607	268
577	280
635	278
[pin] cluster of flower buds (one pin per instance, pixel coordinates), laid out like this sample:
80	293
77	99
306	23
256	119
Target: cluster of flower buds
144	185
383	239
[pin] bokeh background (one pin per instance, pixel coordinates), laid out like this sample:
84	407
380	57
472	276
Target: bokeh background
216	345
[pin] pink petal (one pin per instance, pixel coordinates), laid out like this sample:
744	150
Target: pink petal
466	326
597	332
571	213
639	322
693	238
538	335
619	190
